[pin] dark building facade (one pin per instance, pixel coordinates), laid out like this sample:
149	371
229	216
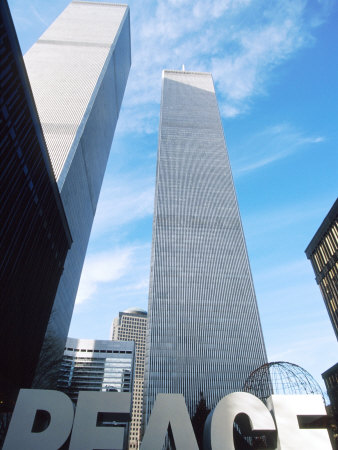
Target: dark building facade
330	377
34	234
323	254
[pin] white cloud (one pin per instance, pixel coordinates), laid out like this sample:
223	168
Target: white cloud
123	199
229	111
270	145
39	16
240	42
112	281
102	268
115	278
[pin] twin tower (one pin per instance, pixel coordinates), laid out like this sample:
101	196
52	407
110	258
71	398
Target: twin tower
204	333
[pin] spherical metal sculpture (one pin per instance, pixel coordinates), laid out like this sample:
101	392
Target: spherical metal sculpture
280	378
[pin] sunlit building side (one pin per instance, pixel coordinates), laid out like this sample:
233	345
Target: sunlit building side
204	332
130	325
78	71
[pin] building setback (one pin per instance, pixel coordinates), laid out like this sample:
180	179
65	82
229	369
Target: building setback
34	234
323	254
78	70
131	325
204	333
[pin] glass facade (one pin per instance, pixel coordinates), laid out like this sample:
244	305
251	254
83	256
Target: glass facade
323	254
34	234
131	325
90	365
204	333
78	70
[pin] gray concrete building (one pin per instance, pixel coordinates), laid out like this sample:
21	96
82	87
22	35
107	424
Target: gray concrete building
204	332
130	325
78	71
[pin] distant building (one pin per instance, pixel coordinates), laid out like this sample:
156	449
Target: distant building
34	233
96	365
131	325
78	71
323	254
330	378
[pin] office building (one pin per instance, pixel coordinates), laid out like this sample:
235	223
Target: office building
131	325
330	377
34	234
204	333
94	365
97	365
78	71
323	254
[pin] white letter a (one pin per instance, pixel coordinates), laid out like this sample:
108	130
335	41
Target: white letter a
169	411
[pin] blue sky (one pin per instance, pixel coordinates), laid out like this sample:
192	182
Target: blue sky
275	68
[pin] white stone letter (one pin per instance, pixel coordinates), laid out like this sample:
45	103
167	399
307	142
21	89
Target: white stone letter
290	437
169	410
86	434
60	408
218	430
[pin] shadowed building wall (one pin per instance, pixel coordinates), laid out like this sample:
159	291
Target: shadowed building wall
204	332
78	70
34	234
323	254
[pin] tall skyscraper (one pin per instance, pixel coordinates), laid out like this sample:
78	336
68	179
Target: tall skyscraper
78	71
34	234
323	254
131	325
204	332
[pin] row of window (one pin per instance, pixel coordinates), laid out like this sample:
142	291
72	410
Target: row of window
98	351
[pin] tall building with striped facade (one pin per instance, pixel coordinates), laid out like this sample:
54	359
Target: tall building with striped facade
78	71
204	332
131	325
